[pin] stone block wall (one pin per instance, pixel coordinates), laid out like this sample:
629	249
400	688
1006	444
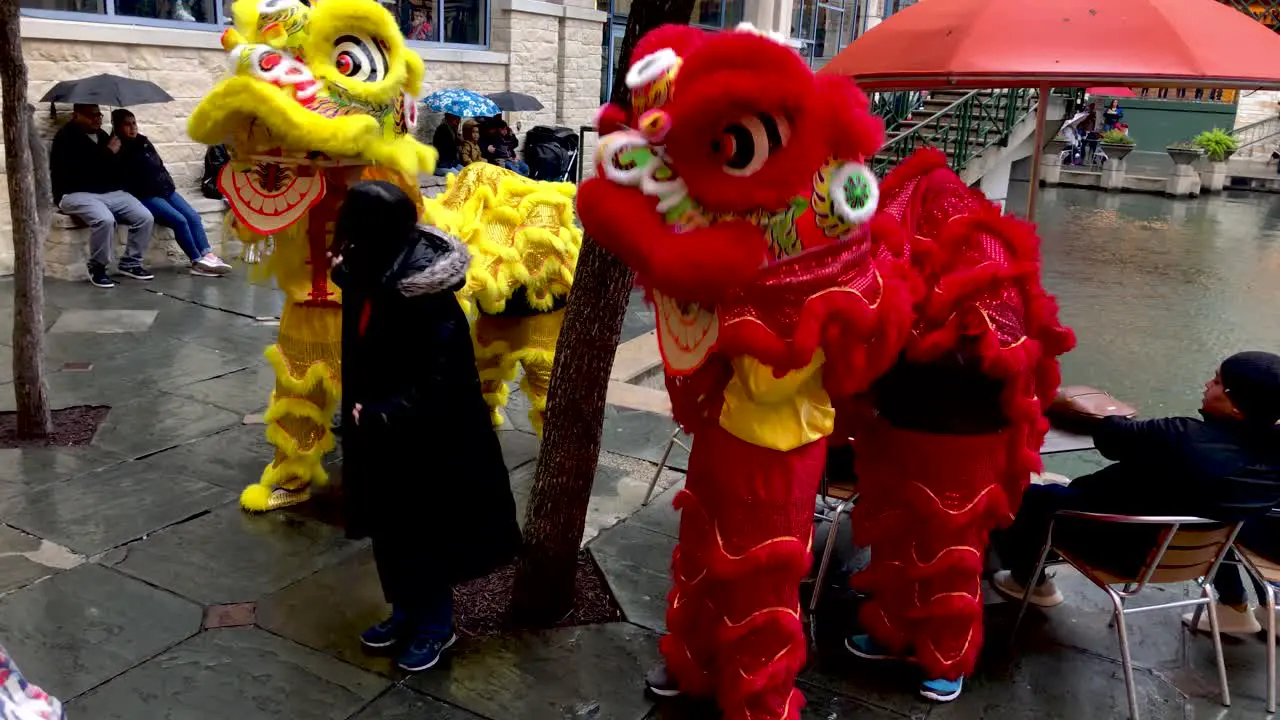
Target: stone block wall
546	49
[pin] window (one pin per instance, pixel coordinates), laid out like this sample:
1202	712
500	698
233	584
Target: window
457	22
708	14
824	28
169	11
717	14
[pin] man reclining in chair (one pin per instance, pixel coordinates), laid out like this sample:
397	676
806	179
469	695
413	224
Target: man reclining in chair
1224	467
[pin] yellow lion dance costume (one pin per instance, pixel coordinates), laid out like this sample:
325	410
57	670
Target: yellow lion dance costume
321	96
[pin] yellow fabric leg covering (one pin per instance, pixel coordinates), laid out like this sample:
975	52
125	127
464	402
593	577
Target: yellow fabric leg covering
307	361
503	342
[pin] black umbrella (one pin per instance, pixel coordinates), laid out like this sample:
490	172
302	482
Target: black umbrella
110	90
514	102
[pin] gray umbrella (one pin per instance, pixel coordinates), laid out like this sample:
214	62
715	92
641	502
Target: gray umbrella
110	90
508	101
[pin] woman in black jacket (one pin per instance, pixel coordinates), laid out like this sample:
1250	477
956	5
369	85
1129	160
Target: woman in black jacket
146	178
419	450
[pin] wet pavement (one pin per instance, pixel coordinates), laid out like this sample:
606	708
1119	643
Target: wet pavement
131	585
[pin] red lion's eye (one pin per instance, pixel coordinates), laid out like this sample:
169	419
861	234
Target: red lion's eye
269	61
344	64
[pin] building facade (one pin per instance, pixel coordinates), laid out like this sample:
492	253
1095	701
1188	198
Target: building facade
547	49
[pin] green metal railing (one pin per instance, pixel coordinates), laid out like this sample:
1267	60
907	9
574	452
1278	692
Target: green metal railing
895	107
967	127
963	129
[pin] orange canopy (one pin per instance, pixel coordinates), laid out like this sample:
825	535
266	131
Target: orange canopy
974	44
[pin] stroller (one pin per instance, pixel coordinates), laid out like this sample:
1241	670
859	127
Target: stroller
552	153
1083	148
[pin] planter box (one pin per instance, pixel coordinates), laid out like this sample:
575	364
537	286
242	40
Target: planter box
1117	151
1213	176
1183	156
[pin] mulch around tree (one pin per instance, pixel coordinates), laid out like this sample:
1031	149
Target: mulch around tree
72	427
481	607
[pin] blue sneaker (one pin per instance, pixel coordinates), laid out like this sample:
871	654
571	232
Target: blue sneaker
942	690
386	633
867	649
424	652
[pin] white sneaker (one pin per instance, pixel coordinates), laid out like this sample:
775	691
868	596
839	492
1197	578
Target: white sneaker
210	266
1260	613
1230	621
1045	595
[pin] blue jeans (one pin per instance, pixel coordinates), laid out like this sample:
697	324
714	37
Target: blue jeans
174	212
519	166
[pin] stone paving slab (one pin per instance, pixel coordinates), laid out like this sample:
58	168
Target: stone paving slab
327	611
233	673
25	558
518	448
162	362
67	389
230	556
234	293
24	470
85	626
642	435
158	421
230	458
400	703
104	321
243	391
659	515
594	671
95	512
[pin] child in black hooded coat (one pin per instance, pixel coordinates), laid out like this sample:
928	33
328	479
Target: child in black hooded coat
419	449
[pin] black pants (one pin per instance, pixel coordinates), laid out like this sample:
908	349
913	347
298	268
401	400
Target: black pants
426	601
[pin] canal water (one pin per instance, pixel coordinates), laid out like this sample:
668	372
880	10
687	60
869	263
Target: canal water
1159	290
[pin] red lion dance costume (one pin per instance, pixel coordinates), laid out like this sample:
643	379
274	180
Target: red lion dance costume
946	456
735	188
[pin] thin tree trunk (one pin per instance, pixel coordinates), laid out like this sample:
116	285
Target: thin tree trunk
557	513
29	208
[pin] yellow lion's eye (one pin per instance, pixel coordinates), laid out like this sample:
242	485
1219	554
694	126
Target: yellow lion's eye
360	58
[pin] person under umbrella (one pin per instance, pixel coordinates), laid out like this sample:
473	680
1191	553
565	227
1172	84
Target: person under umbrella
419	448
146	178
88	184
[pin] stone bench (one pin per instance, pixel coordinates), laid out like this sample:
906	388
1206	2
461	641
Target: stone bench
67	250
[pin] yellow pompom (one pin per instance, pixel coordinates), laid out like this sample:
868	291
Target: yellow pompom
256	498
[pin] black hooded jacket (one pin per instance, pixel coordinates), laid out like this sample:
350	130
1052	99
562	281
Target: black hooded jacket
144	173
424	453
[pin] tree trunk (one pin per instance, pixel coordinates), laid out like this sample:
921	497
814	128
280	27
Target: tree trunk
29	207
557	513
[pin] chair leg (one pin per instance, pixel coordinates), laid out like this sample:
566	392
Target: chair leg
662	465
1217	644
1271	647
830	547
1125	659
1026	597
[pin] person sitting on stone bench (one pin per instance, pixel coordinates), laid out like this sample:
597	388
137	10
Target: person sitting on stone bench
84	166
1225	467
146	178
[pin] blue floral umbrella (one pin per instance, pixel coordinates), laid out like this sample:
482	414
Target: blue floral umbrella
462	103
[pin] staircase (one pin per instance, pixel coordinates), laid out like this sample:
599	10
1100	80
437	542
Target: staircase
1258	140
963	124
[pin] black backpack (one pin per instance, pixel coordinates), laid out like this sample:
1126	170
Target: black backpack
214	158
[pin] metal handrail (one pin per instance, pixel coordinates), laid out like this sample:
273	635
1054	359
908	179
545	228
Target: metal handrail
1248	136
963	129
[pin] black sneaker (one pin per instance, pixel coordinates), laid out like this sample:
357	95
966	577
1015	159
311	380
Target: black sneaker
99	277
137	272
660	683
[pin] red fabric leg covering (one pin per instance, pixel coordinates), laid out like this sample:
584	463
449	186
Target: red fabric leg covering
746	527
928	504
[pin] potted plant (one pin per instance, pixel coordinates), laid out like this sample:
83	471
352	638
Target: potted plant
1218	146
1117	144
1184	152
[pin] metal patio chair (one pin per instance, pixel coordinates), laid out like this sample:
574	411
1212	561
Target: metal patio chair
662	464
1266	571
1185	548
839	499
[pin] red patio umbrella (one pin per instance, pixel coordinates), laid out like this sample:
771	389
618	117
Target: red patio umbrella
976	44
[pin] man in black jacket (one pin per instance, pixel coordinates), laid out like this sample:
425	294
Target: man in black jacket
445	141
88	184
1225	467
